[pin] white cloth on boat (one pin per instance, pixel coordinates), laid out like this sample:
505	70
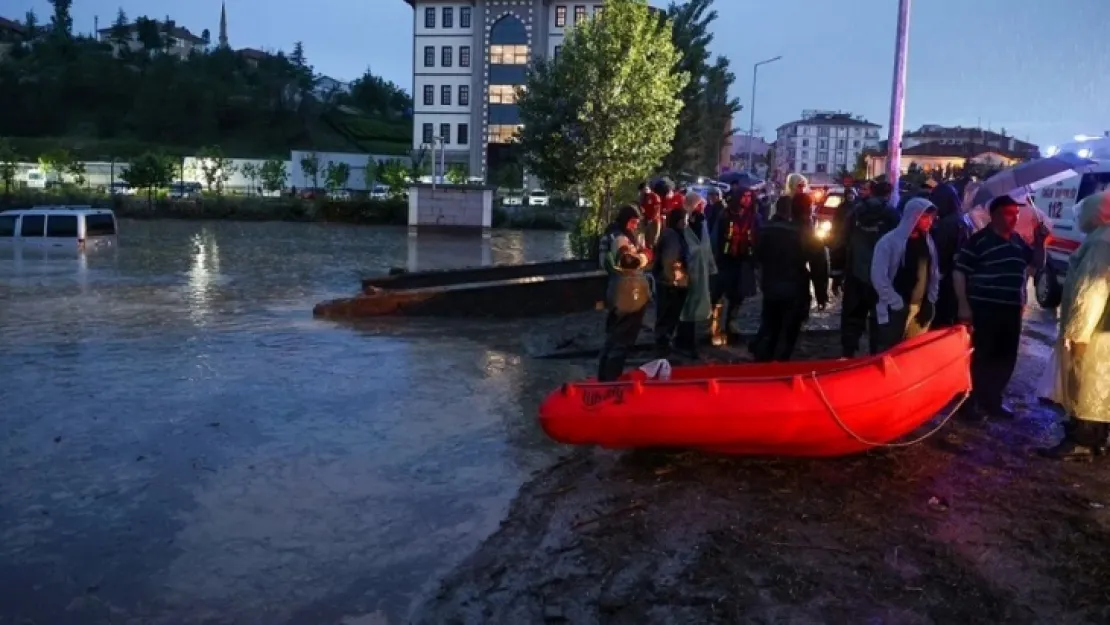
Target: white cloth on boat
657	369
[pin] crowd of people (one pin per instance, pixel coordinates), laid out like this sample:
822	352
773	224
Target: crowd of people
899	270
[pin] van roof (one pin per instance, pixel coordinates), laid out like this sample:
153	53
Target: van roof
58	210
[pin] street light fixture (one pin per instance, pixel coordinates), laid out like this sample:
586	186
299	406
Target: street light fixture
751	124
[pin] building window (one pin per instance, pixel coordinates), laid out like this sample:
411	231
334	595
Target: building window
448	17
508	55
429	95
428	133
429	56
840	143
822	144
464	56
464	95
430	17
579	13
464	17
598	12
805	155
855	144
822	131
445	95
822	168
804	168
445	56
822	157
445	133
502	133
805	143
560	16
463	131
503	94
558	49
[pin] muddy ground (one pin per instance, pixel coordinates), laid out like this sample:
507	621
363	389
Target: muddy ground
968	526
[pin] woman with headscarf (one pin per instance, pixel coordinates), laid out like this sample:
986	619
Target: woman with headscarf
624	256
1083	349
700	272
672	261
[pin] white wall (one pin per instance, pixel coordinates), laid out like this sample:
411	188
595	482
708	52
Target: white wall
439	42
439	29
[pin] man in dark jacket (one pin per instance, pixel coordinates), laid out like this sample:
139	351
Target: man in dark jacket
733	239
851	270
950	232
791	257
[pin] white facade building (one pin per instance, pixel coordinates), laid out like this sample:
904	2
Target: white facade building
469	59
822	143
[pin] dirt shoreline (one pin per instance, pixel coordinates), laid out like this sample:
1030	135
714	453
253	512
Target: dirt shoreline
969	526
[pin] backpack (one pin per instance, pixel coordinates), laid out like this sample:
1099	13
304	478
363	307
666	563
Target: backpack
870	221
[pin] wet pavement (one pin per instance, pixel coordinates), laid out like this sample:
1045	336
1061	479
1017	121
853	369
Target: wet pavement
182	443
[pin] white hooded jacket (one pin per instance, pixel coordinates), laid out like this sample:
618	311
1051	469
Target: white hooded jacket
890	255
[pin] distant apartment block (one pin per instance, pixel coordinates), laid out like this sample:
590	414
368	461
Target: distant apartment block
469	60
821	143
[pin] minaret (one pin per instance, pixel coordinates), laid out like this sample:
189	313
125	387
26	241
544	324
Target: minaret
223	25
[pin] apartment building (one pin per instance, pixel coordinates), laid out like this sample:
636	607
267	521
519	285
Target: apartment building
821	143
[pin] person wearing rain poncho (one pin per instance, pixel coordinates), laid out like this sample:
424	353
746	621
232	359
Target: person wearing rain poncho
906	275
1083	351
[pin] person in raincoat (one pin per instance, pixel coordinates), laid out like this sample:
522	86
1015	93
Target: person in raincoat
1083	351
906	275
734	236
950	232
672	257
623	256
701	269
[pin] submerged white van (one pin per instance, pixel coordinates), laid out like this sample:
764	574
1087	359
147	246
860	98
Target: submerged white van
74	227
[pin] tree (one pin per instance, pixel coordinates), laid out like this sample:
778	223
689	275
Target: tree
310	166
61	23
592	120
418	165
378	96
206	36
373	171
9	165
76	170
31	25
56	162
707	110
149	171
121	29
252	172
148	33
215	167
456	174
859	172
273	175
336	175
394	175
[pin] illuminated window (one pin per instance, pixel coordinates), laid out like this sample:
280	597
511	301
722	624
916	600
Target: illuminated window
503	133
579	13
508	55
503	94
560	16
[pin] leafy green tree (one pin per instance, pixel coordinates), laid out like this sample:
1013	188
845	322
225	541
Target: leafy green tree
121	29
310	165
9	165
76	171
394	175
273	175
373	171
149	171
418	163
252	172
859	172
707	108
591	117
378	96
31	25
61	23
215	167
456	174
148	33
56	162
336	175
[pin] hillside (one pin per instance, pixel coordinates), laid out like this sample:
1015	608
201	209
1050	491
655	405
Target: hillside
74	93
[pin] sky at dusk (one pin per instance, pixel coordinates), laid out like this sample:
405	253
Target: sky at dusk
1030	66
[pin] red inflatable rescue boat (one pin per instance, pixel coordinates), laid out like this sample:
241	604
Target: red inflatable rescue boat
820	408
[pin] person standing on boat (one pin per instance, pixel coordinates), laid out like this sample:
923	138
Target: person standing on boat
906	275
791	257
701	272
851	268
950	233
1083	351
991	277
624	256
672	260
734	237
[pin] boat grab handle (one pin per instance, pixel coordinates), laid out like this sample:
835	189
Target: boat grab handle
850	432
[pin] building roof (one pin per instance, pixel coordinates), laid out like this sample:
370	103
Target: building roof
978	135
12	25
831	119
179	32
252	53
946	150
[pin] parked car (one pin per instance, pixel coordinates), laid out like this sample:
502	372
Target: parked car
120	188
379	192
512	200
342	195
184	190
538	197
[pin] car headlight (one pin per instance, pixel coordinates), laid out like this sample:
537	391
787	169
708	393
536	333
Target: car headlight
824	229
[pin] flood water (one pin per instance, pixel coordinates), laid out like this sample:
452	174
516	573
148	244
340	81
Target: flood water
182	443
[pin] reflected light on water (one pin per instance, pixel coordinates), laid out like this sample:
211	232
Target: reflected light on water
203	272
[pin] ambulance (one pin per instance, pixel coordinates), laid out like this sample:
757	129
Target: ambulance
1059	201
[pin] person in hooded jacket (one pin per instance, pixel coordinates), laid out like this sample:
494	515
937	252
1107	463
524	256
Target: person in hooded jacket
623	256
1083	349
905	274
733	236
854	248
791	258
714	206
672	259
950	232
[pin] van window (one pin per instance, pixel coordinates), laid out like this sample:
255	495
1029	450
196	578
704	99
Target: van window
61	226
7	225
32	225
100	225
1091	184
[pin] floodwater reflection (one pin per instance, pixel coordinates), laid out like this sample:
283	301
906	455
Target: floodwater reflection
189	445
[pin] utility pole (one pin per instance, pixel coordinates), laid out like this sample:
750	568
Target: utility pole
751	121
898	99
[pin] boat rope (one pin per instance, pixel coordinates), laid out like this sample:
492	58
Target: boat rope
850	432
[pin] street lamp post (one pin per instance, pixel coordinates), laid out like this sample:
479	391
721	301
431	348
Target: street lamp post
751	121
898	99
